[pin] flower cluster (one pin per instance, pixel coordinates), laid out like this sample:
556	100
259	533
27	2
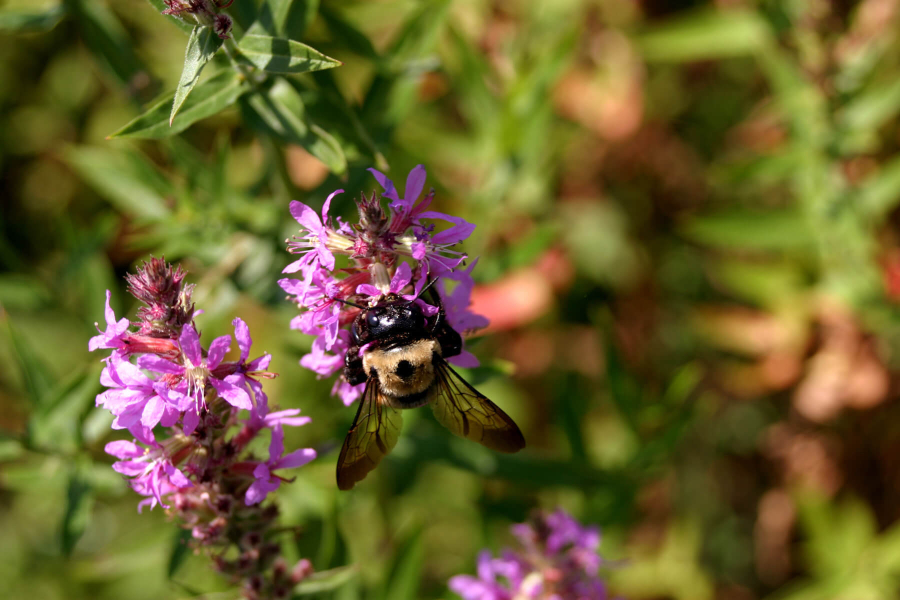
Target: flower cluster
393	251
557	560
192	415
201	12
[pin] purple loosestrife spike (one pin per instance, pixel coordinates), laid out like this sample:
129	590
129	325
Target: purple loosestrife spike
557	560
393	251
193	416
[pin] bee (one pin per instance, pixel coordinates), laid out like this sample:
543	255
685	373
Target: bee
400	353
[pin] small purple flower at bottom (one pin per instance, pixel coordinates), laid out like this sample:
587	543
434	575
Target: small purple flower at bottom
264	480
557	560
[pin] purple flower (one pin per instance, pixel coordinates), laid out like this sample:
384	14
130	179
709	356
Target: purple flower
264	480
152	471
116	331
134	398
195	373
557	560
246	372
312	246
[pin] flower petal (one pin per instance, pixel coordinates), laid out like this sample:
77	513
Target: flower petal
415	181
190	345
327	204
242	335
123	449
153	412
297	458
389	190
217	350
151	362
306	217
276	445
234	395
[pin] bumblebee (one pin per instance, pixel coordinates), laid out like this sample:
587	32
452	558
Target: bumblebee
400	354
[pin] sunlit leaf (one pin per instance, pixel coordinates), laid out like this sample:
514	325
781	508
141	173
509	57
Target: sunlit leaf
705	35
208	98
281	113
201	47
281	55
284	18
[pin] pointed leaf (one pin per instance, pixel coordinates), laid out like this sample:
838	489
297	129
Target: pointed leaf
179	551
281	55
285	18
15	21
125	178
201	47
79	502
281	113
208	98
107	39
325	581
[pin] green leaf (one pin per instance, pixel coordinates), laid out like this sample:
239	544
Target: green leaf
125	178
351	37
79	502
104	35
15	21
774	230
406	570
179	23
881	192
201	47
281	55
872	108
285	18
208	98
281	113
326	581
38	379
705	35
180	551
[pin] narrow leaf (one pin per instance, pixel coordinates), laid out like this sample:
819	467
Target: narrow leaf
326	581
124	178
351	37
281	113
79	502
280	55
14	21
705	35
208	98
285	18
180	551
107	39
201	47
406	571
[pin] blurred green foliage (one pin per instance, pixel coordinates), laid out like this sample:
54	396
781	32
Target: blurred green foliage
688	240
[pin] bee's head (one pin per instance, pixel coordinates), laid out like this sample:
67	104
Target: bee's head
390	316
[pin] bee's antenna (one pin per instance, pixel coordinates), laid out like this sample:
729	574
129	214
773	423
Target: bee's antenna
430	283
350	303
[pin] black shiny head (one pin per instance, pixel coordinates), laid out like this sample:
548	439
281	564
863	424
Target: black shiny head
393	320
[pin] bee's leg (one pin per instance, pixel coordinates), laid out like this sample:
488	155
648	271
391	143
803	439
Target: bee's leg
353	366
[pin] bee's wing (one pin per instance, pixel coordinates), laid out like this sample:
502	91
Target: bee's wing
465	412
373	434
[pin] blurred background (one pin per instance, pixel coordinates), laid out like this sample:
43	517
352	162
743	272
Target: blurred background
689	251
